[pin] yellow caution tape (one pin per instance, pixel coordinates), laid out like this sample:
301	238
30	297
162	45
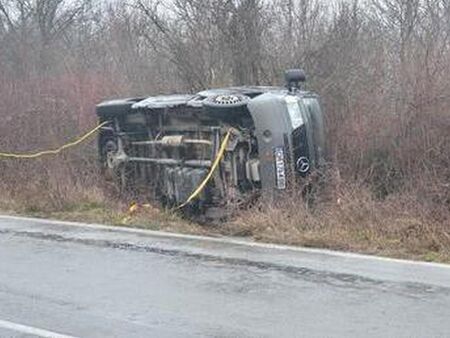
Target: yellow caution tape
208	177
134	207
55	151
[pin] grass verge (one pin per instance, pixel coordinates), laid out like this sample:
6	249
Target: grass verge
354	224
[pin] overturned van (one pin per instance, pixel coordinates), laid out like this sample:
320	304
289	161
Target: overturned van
166	146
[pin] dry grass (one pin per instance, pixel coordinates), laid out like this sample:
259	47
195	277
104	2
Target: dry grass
91	205
348	219
353	221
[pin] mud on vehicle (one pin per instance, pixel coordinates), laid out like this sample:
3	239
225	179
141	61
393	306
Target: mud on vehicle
166	145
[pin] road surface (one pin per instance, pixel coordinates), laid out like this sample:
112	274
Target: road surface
69	280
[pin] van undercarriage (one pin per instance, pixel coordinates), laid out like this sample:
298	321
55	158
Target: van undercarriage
165	146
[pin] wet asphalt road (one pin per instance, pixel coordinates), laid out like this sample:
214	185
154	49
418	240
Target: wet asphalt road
94	282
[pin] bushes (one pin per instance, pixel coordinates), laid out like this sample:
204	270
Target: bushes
41	114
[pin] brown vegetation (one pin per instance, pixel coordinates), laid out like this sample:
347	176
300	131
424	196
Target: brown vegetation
382	68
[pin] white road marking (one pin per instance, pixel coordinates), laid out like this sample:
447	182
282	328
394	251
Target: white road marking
225	240
31	330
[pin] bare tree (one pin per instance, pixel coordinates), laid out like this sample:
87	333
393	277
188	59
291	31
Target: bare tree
39	24
243	29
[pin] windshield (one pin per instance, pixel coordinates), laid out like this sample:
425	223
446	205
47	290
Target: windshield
316	116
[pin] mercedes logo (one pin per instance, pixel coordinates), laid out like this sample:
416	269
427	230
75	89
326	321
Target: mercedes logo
303	165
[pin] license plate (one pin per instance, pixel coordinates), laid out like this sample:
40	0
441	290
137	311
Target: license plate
280	168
